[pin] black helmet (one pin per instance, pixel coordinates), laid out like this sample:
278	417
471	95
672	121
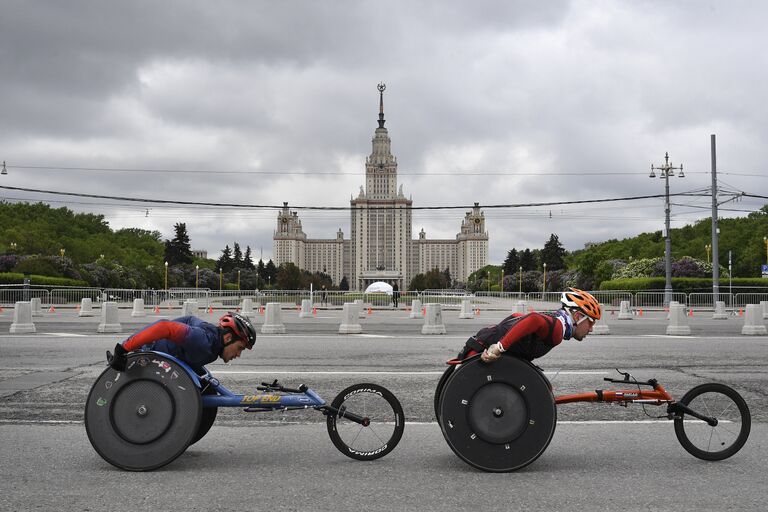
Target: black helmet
240	326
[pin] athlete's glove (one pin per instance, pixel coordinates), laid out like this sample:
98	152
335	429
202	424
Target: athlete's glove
119	359
491	354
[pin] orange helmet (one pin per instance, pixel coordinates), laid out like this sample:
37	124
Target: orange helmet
579	300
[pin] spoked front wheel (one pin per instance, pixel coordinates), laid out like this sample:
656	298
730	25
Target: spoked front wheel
727	430
365	421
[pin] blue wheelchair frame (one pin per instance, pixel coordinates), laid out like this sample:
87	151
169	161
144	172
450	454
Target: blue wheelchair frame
294	399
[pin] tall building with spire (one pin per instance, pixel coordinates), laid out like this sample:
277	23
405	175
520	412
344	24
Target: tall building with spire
381	247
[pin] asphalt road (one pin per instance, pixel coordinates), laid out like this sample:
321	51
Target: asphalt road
601	458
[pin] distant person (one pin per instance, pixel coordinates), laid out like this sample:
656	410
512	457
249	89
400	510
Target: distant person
190	339
395	295
323	296
530	336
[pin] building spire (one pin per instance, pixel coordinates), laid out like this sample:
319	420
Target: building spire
381	87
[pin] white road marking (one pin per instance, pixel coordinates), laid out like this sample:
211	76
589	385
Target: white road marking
364	372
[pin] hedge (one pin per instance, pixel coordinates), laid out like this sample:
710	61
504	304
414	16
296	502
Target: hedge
35	280
687	284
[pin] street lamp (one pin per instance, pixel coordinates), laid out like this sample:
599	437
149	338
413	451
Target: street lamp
13	246
62	251
238	280
166	275
220	281
520	273
667	170
544	288
197	276
708	247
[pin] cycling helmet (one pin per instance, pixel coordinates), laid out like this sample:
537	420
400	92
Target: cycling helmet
240	326
579	300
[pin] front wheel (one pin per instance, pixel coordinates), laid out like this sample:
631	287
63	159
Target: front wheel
727	436
381	427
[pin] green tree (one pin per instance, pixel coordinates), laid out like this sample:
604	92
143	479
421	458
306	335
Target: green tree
288	277
528	260
237	256
271	272
247	260
225	262
553	253
344	284
177	250
512	262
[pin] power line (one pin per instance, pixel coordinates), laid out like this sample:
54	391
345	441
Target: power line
341	208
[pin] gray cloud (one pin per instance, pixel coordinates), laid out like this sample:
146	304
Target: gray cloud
475	88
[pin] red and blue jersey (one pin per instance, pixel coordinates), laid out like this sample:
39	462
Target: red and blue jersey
187	338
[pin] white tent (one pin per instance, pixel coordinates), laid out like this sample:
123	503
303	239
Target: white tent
379	287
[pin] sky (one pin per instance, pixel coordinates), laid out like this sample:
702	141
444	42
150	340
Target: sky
498	102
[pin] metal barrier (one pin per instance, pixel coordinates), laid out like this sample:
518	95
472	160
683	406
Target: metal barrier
73	296
742	299
10	296
707	300
655	299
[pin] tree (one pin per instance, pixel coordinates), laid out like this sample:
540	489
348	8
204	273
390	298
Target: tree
237	256
344	284
225	261
553	254
528	260
512	263
447	276
271	271
247	261
178	251
261	270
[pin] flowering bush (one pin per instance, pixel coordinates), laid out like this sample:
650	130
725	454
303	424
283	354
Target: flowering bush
7	262
646	267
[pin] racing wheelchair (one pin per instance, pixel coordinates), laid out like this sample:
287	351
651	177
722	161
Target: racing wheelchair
501	417
145	417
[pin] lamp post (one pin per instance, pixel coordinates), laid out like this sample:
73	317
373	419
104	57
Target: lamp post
220	280
197	277
62	251
166	275
708	247
238	280
13	246
667	170
520	273
544	287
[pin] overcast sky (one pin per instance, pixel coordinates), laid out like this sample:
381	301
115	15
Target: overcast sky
493	102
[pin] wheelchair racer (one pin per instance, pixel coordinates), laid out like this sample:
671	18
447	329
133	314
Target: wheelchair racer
190	339
530	336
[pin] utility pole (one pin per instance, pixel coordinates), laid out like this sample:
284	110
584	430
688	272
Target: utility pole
667	170
715	229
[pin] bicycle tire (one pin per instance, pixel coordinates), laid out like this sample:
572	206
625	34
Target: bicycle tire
439	390
207	418
732	430
375	439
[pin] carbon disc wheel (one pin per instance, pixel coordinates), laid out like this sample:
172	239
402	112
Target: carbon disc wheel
497	417
145	417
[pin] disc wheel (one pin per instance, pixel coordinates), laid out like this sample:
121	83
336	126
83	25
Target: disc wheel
145	417
497	417
207	418
439	390
381	429
713	442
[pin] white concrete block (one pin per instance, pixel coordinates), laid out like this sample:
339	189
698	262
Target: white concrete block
350	323
109	318
433	321
22	318
273	320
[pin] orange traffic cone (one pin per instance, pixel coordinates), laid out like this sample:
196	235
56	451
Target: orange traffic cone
477	312
370	311
210	309
640	312
261	310
690	312
1	309
314	311
741	312
157	309
423	311
52	309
